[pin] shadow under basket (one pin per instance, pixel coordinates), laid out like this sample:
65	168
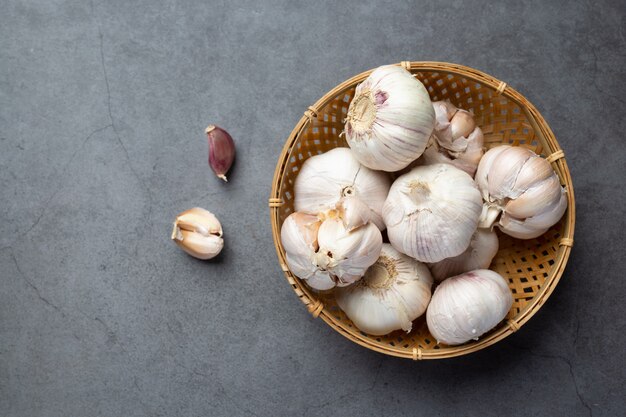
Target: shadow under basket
532	267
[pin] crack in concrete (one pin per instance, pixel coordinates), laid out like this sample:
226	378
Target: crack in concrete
110	112
34	287
62	174
565	360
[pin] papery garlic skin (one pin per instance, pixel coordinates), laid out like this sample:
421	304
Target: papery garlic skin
347	254
456	140
325	253
523	187
325	179
466	306
392	293
432	212
298	235
482	249
353	212
389	119
198	232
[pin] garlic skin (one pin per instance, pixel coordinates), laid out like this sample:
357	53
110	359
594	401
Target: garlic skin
324	179
298	235
389	119
522	187
456	140
393	292
345	254
198	232
353	212
432	212
482	249
466	306
324	252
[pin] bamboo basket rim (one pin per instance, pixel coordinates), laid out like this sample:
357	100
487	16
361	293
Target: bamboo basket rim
555	156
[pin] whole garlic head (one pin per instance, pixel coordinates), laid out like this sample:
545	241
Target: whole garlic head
327	253
432	212
392	293
325	179
198	232
523	187
481	251
466	306
456	140
389	119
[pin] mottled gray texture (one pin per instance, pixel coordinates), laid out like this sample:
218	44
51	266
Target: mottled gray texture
102	111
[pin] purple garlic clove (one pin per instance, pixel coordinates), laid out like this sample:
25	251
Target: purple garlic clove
221	150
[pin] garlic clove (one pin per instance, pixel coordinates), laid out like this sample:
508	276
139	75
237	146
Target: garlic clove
321	280
221	150
534	199
462	124
466	306
198	232
535	169
353	212
504	171
347	254
481	251
444	111
484	167
199	246
534	226
298	236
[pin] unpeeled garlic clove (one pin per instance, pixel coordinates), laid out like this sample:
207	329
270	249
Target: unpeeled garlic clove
531	201
198	232
456	139
298	235
481	251
462	124
353	212
504	170
221	150
347	254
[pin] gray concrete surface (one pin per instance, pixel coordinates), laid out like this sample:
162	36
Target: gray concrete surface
102	110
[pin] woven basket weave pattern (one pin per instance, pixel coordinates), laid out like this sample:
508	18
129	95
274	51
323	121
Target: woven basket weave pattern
532	267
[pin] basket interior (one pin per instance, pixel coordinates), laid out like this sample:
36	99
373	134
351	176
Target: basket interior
525	264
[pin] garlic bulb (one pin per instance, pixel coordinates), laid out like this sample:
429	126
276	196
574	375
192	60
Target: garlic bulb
456	140
198	232
481	251
324	179
466	306
393	292
432	212
523	187
389	119
325	252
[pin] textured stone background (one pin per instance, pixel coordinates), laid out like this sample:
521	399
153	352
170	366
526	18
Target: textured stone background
102	110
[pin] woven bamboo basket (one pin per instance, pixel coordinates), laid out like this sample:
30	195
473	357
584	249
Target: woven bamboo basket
532	267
